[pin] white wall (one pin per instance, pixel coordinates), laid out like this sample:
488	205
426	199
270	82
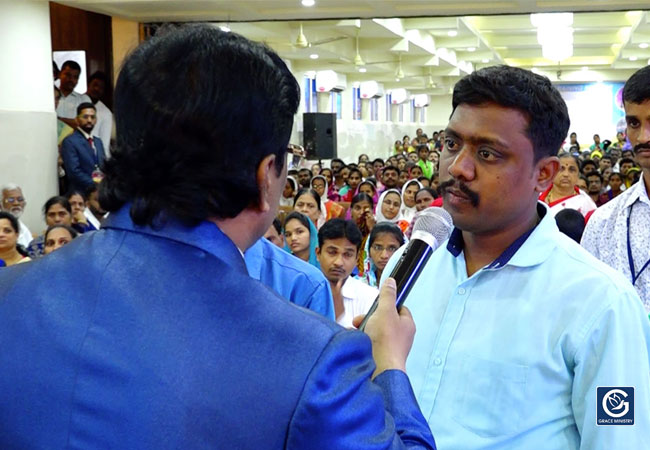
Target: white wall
28	150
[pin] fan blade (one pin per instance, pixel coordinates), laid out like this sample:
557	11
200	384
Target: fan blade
328	40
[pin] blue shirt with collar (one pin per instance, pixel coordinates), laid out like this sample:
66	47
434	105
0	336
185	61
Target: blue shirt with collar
512	356
289	276
135	337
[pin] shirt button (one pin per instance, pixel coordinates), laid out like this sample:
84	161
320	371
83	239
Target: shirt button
437	361
461	291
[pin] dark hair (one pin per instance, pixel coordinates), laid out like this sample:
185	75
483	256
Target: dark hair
337	160
300	217
355	170
85	105
324	169
72	231
594	174
532	94
174	129
588	162
637	87
396	169
277	225
571	223
76	192
98	75
618	174
57	200
90	190
55	68
422	147
303	169
370	182
363	154
606	157
562	155
626	160
12	220
431	191
71	64
386	227
340	228
309	191
379	160
362	197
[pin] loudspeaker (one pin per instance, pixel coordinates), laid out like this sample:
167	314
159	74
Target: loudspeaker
319	135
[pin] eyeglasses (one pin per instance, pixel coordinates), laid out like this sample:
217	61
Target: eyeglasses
296	150
14	199
379	249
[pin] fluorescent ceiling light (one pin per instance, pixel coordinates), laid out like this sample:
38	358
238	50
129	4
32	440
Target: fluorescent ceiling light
471	49
452	33
643	45
314	56
308	2
363	69
632	58
485	60
225	28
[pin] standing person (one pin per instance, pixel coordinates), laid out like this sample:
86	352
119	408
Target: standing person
520	329
13	201
167	342
66	109
96	87
83	155
618	233
427	166
339	242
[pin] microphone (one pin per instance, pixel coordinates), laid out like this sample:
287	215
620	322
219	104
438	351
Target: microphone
432	227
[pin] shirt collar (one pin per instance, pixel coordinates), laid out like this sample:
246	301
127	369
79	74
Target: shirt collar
205	236
535	243
638	192
86	135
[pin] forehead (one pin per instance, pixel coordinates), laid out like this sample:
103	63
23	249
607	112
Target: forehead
87	111
56	208
293	224
58	233
69	71
307	198
386	237
339	243
639	110
392	196
11	192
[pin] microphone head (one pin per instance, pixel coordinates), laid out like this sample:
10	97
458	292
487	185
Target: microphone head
433	221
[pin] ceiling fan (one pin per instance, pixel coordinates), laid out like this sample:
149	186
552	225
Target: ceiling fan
303	42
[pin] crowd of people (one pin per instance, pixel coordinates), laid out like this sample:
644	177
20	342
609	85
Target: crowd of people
330	246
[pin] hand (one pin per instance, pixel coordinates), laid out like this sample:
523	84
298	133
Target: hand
391	332
79	218
370	220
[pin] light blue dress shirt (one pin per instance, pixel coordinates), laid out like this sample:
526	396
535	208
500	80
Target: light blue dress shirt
511	357
290	277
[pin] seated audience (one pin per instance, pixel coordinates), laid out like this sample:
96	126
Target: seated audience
331	208
11	252
79	220
424	197
57	236
408	199
289	191
389	209
274	233
384	240
339	242
13	202
563	192
301	237
57	211
571	222
309	203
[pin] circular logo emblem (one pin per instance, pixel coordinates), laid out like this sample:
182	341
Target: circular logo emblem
614	403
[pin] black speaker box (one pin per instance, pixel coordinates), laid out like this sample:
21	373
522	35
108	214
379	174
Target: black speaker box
319	135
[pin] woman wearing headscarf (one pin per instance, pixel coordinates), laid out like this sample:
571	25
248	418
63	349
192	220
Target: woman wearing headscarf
301	238
289	190
329	208
389	209
409	190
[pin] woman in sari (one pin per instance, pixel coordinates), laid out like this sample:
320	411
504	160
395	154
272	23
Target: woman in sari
564	193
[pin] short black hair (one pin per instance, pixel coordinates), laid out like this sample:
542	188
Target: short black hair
594	174
85	105
618	174
355	170
588	162
385	227
71	64
362	197
637	87
277	225
396	169
305	169
73	192
309	191
377	160
72	231
12	220
340	228
98	75
532	94
92	188
57	200
607	157
174	128
571	222
300	217
431	191
597	135
626	160
337	160
422	147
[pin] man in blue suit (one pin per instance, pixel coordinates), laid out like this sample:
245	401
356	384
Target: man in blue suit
82	153
149	333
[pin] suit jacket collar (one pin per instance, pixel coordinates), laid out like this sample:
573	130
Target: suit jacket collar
205	236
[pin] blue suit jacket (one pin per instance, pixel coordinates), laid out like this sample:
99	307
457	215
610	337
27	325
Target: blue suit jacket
135	338
290	277
79	160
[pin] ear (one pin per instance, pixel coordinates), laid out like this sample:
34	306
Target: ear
318	253
266	176
545	171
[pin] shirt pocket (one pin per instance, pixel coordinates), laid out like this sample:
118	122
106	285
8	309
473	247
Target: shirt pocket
492	397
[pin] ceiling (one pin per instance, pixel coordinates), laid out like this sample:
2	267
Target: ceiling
432	53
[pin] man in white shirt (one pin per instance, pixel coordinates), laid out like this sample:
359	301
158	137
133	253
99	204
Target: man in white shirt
339	242
104	126
618	233
13	202
66	110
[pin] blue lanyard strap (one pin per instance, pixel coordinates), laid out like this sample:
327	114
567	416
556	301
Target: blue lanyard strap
630	259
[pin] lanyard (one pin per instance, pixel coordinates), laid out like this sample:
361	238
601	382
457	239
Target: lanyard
630	259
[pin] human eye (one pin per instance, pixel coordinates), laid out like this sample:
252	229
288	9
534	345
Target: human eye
49	243
632	122
487	154
451	144
392	249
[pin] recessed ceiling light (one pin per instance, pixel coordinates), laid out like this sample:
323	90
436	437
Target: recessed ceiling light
225	28
471	49
452	33
632	58
485	60
308	2
314	56
363	69
643	45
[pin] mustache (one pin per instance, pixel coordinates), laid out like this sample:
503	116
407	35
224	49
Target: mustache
462	187
642	146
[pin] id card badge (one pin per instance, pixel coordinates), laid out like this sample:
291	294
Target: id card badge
97	175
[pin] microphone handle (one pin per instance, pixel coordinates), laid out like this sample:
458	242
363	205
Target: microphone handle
406	272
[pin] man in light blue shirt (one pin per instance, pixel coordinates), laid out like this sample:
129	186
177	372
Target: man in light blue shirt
292	278
517	325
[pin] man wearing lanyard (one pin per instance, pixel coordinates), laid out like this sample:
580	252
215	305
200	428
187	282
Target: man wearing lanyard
618	233
83	154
